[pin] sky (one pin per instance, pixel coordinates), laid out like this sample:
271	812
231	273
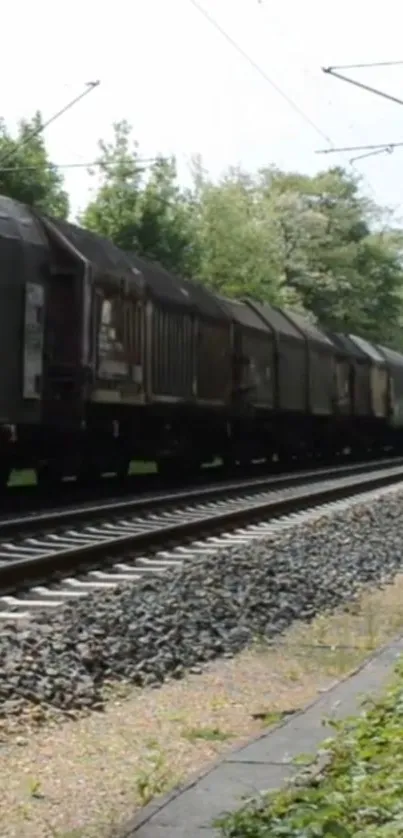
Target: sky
185	90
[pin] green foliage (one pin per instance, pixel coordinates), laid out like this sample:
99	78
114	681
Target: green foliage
359	793
208	734
148	216
26	173
311	243
154	778
114	213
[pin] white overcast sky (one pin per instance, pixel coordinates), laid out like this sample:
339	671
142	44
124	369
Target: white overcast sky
184	89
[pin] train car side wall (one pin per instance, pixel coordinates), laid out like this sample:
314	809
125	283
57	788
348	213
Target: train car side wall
344	400
394	363
292	374
361	387
170	353
255	364
118	343
396	396
322	380
380	389
214	357
22	313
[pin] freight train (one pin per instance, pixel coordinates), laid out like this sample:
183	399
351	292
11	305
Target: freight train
106	358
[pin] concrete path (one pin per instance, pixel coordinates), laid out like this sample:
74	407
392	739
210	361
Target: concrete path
263	764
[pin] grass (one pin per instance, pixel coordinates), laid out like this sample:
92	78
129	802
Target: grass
359	791
27	477
207	734
146	739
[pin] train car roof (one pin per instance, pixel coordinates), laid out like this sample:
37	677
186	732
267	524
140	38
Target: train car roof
169	287
308	329
347	346
18	221
276	319
369	349
100	252
243	314
392	356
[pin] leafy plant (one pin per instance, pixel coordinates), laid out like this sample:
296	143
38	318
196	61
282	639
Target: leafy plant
358	793
208	734
155	778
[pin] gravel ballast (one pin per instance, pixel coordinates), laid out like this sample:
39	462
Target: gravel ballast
213	606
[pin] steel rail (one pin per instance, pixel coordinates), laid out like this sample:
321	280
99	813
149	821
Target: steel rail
77	550
73	514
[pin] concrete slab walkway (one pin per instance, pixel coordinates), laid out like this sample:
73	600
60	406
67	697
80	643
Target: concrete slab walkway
263	764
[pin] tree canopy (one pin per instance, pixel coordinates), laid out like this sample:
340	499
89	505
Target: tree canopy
312	243
26	173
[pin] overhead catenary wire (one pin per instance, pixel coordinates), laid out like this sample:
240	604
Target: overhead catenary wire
386	150
272	84
90	86
260	70
142	163
366	66
331	71
370	147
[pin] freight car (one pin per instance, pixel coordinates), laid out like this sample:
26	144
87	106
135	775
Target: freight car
106	357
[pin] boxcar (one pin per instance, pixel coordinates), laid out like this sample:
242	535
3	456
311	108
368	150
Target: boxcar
291	380
96	310
254	368
188	341
321	364
378	407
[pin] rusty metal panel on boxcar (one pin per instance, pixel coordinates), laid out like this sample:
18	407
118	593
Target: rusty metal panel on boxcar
188	339
291	358
254	361
120	345
322	365
379	377
171	361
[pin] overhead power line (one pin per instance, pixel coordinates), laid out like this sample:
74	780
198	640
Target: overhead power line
144	162
261	72
270	81
90	86
372	147
385	150
366	66
331	71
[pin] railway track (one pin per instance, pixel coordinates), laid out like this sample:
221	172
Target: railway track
44	570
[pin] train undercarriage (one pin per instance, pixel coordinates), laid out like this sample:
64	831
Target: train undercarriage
180	443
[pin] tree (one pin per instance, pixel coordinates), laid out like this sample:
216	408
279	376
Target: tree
164	232
311	243
237	239
347	275
146	215
114	212
27	173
